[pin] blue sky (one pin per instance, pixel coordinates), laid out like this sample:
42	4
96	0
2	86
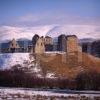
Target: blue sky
49	12
28	17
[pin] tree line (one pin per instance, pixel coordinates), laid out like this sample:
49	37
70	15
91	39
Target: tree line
18	78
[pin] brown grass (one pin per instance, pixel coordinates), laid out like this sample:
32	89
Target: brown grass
63	69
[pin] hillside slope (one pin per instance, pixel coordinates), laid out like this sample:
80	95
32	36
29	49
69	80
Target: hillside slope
10	59
49	65
60	68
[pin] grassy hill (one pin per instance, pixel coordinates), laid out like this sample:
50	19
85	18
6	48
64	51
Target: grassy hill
55	63
86	75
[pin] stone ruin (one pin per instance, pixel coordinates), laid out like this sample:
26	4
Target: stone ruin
40	46
73	51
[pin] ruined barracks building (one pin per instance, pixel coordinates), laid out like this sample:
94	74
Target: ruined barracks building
42	44
37	45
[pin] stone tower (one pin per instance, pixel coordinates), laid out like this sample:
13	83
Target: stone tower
48	40
40	46
34	39
14	46
73	51
62	42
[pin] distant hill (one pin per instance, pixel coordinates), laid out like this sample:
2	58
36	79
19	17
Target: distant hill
85	40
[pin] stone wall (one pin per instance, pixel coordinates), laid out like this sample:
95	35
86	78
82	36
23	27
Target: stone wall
14	46
40	47
73	51
72	44
48	40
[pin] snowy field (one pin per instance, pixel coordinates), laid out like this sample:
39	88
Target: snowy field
10	59
42	94
7	60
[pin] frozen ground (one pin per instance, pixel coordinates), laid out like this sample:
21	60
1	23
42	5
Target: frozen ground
7	60
10	59
43	94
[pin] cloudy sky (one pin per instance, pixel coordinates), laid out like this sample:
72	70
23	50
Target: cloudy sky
65	16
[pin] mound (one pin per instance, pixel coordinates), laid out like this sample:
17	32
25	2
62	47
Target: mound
60	68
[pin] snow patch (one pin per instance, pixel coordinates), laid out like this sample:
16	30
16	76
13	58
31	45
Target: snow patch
50	75
10	59
52	92
55	52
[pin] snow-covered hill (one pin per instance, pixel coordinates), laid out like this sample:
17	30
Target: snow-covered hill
9	32
82	31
